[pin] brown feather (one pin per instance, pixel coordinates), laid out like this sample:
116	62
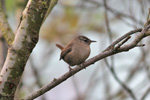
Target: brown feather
65	51
59	46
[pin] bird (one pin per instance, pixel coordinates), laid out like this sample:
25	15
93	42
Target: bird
76	51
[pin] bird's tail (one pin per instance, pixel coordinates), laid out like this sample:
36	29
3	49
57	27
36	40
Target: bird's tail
59	46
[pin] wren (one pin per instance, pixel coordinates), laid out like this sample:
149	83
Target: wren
76	51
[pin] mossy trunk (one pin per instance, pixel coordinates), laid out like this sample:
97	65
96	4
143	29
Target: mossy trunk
25	40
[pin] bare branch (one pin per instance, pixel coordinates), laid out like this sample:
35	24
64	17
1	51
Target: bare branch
124	86
107	21
140	45
124	41
100	56
3	50
121	38
145	94
51	6
36	75
5	28
148	16
114	11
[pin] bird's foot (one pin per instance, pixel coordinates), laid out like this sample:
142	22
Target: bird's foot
70	69
82	65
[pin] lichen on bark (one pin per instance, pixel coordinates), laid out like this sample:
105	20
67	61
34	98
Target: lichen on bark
5	28
25	40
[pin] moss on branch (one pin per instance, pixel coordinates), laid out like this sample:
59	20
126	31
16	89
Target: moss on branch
5	28
25	40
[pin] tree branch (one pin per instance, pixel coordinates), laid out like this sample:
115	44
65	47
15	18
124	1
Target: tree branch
122	37
3	50
36	75
124	86
25	40
104	54
3	43
51	6
145	93
5	28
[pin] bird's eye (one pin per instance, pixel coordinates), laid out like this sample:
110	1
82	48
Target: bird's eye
85	40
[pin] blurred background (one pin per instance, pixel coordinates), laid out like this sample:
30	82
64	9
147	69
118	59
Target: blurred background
100	20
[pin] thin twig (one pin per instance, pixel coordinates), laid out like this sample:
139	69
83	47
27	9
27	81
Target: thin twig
121	38
51	6
107	21
124	41
124	86
145	93
140	45
36	75
108	29
92	82
114	11
148	16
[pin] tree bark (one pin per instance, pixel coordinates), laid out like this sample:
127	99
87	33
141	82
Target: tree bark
25	40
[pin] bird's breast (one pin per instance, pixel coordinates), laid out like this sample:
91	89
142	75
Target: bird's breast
78	55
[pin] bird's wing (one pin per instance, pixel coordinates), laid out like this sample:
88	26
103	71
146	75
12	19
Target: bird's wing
65	51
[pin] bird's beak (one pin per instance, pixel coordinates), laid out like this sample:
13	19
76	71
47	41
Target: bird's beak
93	41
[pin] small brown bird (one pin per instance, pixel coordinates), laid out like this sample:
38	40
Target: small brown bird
76	51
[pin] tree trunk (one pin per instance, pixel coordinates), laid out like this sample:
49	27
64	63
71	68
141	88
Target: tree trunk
18	53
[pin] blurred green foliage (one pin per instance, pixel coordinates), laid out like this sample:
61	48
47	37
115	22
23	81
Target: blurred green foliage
68	21
65	22
11	5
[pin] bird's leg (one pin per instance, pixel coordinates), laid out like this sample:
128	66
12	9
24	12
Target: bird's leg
81	65
70	69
